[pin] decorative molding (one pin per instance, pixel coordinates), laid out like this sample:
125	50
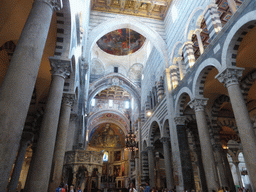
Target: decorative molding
198	104
230	76
55	4
68	99
60	67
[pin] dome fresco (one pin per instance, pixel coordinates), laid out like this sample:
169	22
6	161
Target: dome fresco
121	42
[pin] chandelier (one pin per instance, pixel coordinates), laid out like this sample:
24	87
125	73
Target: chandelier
130	140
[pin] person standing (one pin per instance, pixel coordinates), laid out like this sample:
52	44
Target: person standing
132	189
79	189
147	188
71	188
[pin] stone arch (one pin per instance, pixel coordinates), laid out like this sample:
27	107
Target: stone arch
201	74
153	127
134	24
228	123
176	51
180	100
115	79
215	110
235	37
192	23
233	137
247	83
166	129
122	121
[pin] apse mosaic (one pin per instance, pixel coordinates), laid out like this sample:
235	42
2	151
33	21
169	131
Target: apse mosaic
107	135
121	42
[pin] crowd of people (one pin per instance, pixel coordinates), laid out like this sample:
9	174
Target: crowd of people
146	188
65	188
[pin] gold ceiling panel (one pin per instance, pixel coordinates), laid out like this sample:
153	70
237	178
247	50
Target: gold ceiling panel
156	9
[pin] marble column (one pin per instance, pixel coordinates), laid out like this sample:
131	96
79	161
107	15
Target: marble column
189	55
228	170
184	150
204	136
151	166
137	183
61	139
40	172
99	181
167	161
26	139
174	75
181	68
199	40
160	89
230	77
212	20
144	171
220	166
238	173
232	6
18	85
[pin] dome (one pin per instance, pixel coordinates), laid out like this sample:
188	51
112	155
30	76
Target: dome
121	42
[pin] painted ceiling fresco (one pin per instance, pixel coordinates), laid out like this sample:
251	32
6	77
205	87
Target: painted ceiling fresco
121	42
107	135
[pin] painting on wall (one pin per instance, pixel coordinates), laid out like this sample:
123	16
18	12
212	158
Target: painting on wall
116	170
117	155
121	42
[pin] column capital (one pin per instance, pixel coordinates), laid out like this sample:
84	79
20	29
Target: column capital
180	120
198	104
60	67
188	43
150	148
198	31
68	99
165	140
230	76
55	4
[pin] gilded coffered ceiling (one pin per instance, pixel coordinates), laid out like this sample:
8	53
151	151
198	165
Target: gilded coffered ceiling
156	9
114	92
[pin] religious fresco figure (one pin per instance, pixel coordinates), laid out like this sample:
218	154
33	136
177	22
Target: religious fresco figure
121	42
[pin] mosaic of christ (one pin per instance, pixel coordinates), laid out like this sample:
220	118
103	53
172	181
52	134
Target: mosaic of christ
121	42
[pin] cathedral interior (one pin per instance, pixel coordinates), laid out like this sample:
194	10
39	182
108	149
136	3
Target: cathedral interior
99	94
